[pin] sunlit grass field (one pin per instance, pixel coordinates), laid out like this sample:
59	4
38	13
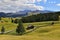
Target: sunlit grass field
6	22
50	32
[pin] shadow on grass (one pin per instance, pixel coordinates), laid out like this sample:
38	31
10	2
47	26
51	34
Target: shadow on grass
38	28
14	33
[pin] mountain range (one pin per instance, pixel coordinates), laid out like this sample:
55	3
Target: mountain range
21	13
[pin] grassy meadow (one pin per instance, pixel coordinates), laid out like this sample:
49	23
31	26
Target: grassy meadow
43	32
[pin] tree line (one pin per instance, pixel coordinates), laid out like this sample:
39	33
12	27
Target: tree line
41	17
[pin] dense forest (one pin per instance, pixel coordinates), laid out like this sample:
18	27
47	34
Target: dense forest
53	16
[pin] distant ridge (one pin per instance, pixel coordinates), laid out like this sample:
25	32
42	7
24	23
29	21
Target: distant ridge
22	13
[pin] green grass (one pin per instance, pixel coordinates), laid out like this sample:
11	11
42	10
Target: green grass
50	32
6	22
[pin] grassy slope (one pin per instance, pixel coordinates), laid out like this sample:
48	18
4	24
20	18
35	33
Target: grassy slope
51	32
7	24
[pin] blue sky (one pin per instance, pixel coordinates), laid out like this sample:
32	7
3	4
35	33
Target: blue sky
20	5
50	5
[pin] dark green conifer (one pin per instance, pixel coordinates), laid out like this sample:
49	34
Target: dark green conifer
20	29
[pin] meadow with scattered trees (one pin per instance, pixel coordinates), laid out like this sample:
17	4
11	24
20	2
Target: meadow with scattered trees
42	27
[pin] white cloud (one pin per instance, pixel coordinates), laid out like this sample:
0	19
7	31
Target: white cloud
42	0
39	0
45	1
58	4
52	2
17	5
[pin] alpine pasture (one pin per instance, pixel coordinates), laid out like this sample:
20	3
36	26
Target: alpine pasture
42	30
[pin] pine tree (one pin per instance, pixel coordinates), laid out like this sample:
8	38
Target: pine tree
12	20
2	30
0	18
16	21
20	29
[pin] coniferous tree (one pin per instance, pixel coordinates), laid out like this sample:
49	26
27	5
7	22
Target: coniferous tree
12	20
2	30
0	18
16	21
20	29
